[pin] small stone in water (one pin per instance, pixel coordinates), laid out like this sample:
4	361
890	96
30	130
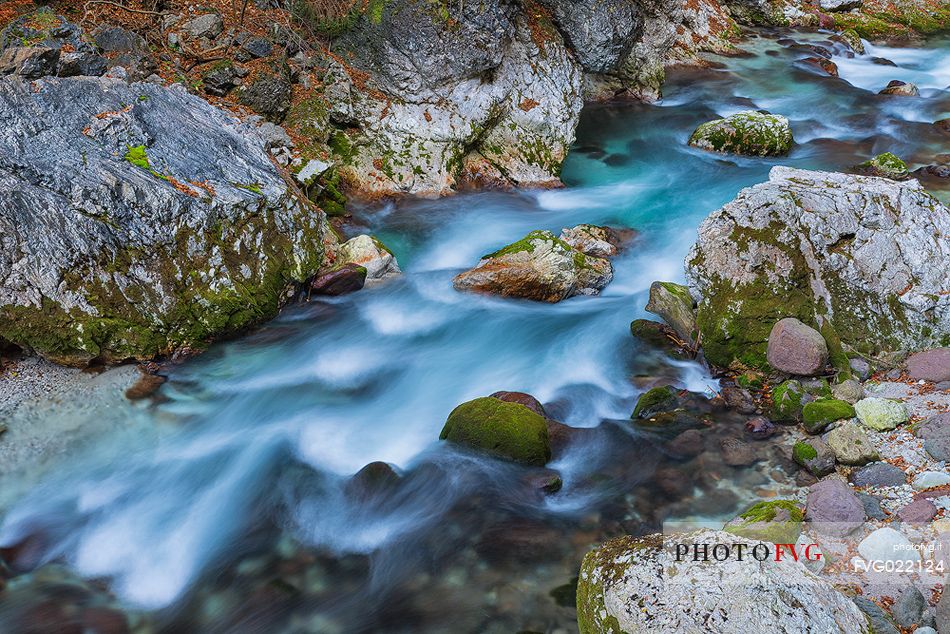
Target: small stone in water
760	427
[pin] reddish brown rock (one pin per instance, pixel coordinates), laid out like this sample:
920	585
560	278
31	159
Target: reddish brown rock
796	348
346	279
930	365
919	511
522	399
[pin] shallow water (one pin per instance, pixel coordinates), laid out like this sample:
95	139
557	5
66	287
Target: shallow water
238	513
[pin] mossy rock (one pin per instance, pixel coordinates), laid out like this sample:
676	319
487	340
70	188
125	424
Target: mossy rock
820	413
787	401
776	521
500	428
815	456
749	132
885	165
655	401
601	569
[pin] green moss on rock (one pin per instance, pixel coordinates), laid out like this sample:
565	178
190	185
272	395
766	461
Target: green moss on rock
802	452
602	568
787	401
501	428
885	165
776	521
819	414
749	132
655	401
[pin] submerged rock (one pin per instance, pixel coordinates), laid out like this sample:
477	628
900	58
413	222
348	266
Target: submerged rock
659	336
635	585
860	257
508	430
748	132
541	267
139	220
885	165
656	401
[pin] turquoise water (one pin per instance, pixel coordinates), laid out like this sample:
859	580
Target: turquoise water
250	488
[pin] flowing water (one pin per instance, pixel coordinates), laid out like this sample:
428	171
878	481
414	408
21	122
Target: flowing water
234	509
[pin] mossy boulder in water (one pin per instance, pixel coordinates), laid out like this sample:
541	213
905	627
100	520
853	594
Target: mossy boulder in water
655	401
541	267
885	165
508	430
776	521
673	303
819	414
748	132
860	258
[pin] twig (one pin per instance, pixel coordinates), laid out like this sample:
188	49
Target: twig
121	6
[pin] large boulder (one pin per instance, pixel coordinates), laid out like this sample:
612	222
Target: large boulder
138	219
541	267
748	132
635	585
502	428
859	257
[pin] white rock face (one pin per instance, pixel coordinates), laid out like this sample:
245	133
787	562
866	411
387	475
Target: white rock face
866	256
371	254
632	583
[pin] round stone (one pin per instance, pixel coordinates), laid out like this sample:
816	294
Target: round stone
796	348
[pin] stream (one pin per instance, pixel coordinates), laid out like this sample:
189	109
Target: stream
232	508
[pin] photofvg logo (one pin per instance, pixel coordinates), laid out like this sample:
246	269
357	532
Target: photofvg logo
740	551
801	552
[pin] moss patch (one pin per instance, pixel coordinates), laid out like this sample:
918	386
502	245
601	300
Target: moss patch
749	132
776	521
655	401
819	414
508	430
